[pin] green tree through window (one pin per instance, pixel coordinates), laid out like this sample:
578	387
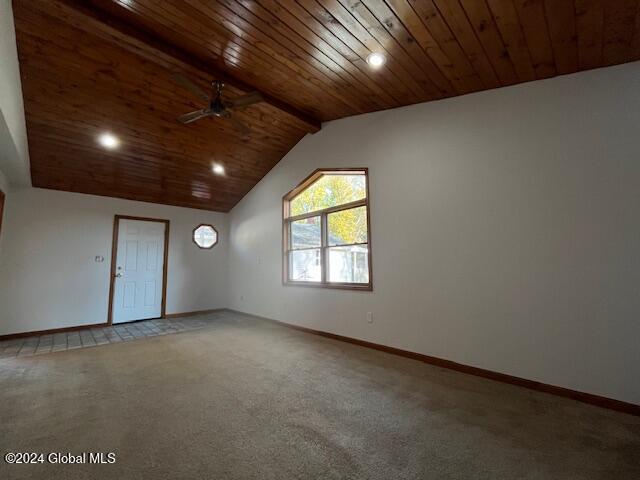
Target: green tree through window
350	226
329	191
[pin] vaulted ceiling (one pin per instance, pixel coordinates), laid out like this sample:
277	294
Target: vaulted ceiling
101	65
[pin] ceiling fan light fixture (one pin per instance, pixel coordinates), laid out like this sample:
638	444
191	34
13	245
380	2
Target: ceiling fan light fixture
217	169
376	60
109	141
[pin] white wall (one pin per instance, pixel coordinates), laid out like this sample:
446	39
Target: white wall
505	231
14	156
4	183
48	276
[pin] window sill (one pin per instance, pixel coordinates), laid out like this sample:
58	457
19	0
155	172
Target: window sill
336	286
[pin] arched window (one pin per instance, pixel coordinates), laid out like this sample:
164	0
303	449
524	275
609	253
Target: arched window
326	231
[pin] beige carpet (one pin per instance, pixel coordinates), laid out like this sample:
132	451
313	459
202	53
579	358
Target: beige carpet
245	399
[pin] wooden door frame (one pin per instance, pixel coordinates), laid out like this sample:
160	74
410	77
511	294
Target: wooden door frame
114	256
2	199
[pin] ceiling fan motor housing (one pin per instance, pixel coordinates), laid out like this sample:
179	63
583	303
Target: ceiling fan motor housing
216	106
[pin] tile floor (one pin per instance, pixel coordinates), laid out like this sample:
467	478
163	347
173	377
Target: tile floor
124	332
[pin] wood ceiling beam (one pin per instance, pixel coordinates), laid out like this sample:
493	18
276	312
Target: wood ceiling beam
119	20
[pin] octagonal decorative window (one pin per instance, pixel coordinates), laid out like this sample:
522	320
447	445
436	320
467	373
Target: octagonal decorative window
205	236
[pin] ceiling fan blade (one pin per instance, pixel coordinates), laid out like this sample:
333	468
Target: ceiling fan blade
245	100
189	85
241	127
193	116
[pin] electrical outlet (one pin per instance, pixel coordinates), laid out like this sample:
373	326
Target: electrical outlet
369	317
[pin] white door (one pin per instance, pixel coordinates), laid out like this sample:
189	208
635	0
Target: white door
139	270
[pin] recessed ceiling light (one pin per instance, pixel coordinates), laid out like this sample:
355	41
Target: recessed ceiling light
376	60
218	169
108	141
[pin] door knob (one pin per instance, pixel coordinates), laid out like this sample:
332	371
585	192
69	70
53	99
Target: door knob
118	275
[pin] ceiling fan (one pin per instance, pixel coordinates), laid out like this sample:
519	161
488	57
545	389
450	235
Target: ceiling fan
217	107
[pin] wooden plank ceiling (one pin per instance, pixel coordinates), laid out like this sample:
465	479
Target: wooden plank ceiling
103	65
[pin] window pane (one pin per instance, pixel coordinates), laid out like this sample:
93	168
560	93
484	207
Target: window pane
304	265
348	226
305	233
329	191
205	236
349	264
